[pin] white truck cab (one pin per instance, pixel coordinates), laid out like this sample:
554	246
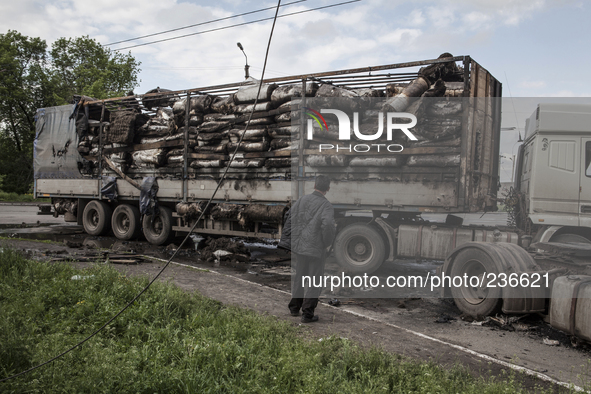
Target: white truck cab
554	167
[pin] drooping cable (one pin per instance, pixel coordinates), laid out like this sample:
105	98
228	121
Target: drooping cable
236	25
186	237
202	23
514	111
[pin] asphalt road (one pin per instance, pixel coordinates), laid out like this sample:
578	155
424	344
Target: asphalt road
18	213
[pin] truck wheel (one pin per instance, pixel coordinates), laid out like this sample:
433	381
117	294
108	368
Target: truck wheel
126	222
360	248
96	217
569	239
158	229
475	300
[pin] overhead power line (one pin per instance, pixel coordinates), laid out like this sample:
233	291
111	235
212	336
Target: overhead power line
203	23
236	25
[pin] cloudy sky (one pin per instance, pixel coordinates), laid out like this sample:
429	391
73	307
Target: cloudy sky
536	48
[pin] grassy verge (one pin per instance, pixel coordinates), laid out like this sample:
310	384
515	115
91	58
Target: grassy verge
14	197
172	341
43	241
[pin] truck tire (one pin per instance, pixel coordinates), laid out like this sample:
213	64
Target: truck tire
158	229
568	238
360	248
475	301
96	217
126	222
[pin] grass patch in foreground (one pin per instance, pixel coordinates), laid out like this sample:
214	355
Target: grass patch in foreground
172	341
43	241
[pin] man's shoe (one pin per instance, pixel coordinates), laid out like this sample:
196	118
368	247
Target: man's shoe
309	319
297	313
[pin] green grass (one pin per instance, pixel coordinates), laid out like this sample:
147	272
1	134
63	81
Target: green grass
173	341
14	197
43	241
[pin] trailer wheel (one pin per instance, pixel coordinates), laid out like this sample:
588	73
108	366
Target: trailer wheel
480	300
126	222
158	229
360	248
96	217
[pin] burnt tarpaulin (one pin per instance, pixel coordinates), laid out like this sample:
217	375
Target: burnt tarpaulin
55	147
148	192
109	188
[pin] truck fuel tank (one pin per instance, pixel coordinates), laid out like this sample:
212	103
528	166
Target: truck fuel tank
570	309
437	242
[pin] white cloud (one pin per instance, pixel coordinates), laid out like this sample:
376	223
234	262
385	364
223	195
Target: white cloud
476	20
441	17
416	18
532	84
567	93
370	32
400	36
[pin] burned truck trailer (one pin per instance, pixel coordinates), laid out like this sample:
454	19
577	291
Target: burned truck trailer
176	146
103	161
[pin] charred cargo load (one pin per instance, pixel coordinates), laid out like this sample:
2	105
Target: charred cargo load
185	140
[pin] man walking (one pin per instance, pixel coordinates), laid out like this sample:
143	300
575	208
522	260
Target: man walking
308	231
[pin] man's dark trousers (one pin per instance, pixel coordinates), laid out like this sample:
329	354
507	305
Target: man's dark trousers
306	297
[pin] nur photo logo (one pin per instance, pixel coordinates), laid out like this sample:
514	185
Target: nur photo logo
386	122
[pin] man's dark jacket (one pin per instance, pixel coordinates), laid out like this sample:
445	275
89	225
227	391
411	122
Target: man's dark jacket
309	227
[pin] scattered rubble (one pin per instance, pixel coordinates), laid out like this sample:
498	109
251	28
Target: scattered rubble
224	248
334	302
551	342
445	319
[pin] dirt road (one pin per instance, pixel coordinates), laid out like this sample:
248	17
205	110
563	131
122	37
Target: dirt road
425	328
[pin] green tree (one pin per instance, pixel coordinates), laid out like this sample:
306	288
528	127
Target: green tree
24	84
83	66
32	77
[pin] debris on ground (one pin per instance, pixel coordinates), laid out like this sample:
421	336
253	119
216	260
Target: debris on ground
334	302
235	250
507	323
197	240
94	255
469	318
445	319
551	342
523	327
73	244
128	261
221	253
171	247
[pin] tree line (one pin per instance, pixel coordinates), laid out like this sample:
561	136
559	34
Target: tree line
33	76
